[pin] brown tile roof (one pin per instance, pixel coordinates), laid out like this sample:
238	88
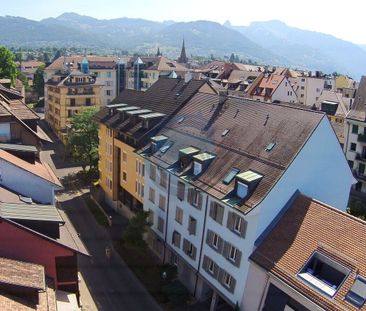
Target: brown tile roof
271	83
37	168
21	273
358	110
164	64
164	96
336	97
309	226
58	64
8	196
252	127
238	76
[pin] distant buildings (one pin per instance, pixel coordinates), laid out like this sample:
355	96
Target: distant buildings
28	68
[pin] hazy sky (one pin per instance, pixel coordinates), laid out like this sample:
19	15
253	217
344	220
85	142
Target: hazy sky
343	19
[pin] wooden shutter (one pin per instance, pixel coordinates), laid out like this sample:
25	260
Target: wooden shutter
220	244
192	225
194	251
216	271
205	263
200	197
180	190
219	213
185	246
190	197
232	285
209	236
243	228
212	210
237	258
220	276
230	221
226	249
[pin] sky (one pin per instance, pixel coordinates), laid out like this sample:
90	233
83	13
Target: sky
343	19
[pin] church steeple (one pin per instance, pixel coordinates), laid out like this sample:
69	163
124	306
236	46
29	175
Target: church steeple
158	53
183	56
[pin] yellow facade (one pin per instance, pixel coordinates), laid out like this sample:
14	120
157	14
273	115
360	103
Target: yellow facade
120	168
63	101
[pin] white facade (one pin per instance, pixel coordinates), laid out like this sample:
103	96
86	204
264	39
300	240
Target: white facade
320	170
285	93
26	183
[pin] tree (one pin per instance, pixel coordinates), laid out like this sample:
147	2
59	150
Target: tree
83	138
134	233
8	68
232	58
38	81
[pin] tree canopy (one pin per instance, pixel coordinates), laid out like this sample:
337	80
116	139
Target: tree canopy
134	233
8	68
83	138
38	81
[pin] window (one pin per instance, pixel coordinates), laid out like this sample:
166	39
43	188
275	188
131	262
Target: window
109	74
162	202
361	168
163	178
176	239
189	249
124	176
302	88
211	266
241	190
324	274
143	169
87	101
232	254
142	189
109	83
179	215
195	197
161	224
152	195
124	156
151	217
72	102
152	172
108	92
230	176
350	163
237	224
357	293
180	190
192	224
354	129
227	280
352	147
217	212
215	240
197	168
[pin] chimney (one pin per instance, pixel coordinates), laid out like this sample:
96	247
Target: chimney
187	77
222	97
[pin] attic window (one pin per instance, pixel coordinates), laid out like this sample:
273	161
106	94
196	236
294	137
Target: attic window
197	168
324	274
225	132
270	147
357	293
241	190
181	119
230	176
166	147
154	147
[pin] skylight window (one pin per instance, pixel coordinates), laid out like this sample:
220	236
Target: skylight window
181	119
324	274
230	176
270	147
225	132
357	293
166	147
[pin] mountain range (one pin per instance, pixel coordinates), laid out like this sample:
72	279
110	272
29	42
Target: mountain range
271	42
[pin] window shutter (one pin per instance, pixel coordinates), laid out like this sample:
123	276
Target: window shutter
226	250
243	229
200	197
220	244
205	263
212	210
232	285
194	251
192	226
220	214
190	195
185	246
180	190
238	258
221	276
216	271
209	235
230	221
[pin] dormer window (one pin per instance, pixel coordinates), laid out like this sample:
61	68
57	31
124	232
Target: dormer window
197	168
154	147
357	293
241	190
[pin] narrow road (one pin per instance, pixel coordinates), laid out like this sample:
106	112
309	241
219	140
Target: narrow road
111	283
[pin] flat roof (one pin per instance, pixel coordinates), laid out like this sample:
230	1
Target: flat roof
141	111
189	150
116	105
249	176
159	138
16	147
24	211
204	156
128	108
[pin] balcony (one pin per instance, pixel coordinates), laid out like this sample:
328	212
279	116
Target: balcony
91	92
361	138
361	157
359	175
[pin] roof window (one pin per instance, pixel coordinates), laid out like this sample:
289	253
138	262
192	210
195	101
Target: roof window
181	119
230	176
225	132
357	293
270	147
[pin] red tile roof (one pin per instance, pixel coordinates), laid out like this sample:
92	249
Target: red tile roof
306	227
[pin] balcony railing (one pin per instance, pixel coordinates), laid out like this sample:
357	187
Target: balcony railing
361	138
81	93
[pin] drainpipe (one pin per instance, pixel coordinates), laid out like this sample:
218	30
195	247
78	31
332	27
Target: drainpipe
166	220
199	260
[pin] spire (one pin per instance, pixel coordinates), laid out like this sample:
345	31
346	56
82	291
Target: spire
183	56
158	53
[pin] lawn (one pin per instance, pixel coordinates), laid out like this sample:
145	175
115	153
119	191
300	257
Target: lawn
98	214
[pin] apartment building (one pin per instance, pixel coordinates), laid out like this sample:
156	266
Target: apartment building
143	72
67	93
220	172
125	126
355	137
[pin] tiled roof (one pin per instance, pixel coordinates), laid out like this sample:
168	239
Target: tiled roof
237	76
333	96
164	96
358	110
252	127
58	64
21	273
271	83
164	64
37	168
309	226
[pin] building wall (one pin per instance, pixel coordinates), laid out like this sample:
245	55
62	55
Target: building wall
19	244
285	93
19	180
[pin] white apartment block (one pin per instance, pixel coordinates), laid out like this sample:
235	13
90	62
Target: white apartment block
212	191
